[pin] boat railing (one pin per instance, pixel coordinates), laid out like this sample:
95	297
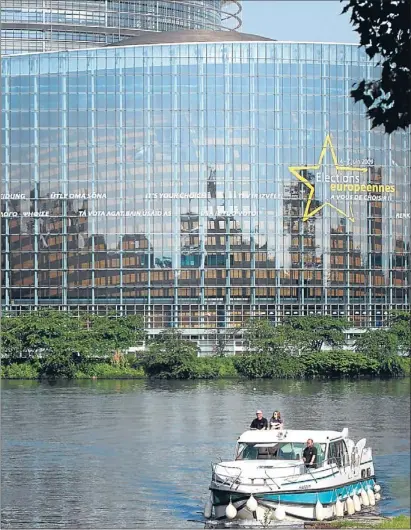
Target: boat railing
229	479
315	472
224	475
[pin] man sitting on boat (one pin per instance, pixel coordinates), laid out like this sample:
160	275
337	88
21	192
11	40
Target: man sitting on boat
276	422
310	454
259	422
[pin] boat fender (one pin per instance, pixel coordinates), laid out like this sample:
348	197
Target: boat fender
230	511
377	497
252	504
356	502
208	509
350	506
319	511
364	497
377	488
262	514
371	496
279	513
339	508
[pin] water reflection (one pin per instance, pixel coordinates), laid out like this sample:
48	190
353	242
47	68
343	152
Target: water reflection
128	454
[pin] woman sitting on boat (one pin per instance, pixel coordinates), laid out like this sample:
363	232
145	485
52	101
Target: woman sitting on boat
276	422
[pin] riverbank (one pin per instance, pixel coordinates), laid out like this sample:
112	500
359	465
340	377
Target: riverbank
317	365
52	344
398	522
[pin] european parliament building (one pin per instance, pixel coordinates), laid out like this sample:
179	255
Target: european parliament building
155	161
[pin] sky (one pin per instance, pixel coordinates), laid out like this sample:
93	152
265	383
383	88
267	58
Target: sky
298	20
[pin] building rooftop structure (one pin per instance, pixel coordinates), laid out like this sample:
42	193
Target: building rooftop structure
187	36
48	25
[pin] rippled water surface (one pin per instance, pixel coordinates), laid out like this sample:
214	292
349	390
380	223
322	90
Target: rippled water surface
136	454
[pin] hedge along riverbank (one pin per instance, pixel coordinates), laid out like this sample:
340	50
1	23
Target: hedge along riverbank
63	345
168	364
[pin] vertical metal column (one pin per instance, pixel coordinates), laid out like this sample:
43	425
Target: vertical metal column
175	164
119	61
203	173
278	176
147	158
6	176
253	179
34	70
229	58
91	221
371	223
326	217
388	226
346	144
301	276
63	69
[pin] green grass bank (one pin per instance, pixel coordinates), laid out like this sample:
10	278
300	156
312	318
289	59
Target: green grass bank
398	522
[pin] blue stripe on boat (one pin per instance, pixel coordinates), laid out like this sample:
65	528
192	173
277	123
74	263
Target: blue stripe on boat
325	496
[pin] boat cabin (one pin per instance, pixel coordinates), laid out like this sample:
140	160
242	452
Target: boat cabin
287	445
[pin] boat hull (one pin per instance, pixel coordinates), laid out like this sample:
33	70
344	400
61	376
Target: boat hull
297	504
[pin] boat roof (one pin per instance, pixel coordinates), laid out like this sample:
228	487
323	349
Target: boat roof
288	435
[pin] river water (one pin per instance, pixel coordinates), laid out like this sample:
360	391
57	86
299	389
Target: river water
136	454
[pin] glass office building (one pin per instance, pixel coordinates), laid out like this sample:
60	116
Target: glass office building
45	25
200	184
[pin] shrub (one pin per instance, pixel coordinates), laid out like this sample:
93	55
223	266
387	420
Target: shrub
27	370
109	371
394	366
255	365
226	366
59	364
288	367
170	356
204	368
338	364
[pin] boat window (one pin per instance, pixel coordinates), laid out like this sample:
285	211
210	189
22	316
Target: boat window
337	452
270	451
320	453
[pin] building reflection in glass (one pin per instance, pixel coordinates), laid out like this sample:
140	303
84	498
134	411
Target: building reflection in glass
155	179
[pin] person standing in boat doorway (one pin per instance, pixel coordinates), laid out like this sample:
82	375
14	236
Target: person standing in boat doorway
310	454
259	422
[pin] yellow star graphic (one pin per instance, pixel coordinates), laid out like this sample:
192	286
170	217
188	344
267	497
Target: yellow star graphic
295	170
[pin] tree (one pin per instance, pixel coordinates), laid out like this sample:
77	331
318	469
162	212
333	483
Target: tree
385	30
223	339
261	336
11	345
170	356
378	344
309	333
41	332
400	326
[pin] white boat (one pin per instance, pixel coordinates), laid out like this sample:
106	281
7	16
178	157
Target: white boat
268	478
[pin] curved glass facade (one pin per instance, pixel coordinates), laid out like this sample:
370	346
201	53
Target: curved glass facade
45	25
202	184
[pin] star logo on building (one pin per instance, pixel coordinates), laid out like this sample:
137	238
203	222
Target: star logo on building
296	171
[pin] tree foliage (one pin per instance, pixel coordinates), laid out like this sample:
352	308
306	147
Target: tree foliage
385	31
261	336
377	344
63	340
311	332
170	356
401	327
55	344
